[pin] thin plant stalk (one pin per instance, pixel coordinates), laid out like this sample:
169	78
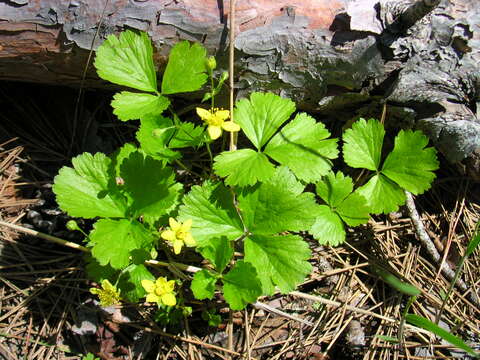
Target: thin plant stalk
231	60
401	327
471	247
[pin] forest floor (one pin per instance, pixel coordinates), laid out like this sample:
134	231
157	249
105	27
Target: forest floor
341	311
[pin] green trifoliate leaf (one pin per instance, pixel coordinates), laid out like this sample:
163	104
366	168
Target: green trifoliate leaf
243	167
211	209
279	260
262	115
334	188
284	178
203	285
150	186
410	164
218	251
301	146
336	191
86	190
382	195
328	228
186	70
132	106
354	210
127	60
271	207
113	241
362	146
343	206
241	285
130	282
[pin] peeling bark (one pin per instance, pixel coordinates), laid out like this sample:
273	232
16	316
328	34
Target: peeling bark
338	58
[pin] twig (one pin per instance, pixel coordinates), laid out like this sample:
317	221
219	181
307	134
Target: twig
428	244
231	62
56	240
47	237
266	307
352	308
184	339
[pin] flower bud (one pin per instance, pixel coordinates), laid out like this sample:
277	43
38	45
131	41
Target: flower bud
72	225
224	77
211	63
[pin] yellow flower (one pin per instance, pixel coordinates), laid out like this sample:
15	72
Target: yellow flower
160	291
108	294
179	234
215	119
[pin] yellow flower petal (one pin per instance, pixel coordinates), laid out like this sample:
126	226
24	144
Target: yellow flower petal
95	291
170	285
106	285
177	246
169	235
204	114
230	126
152	298
169	299
187	225
214	131
189	240
174	224
161	281
148	285
222	114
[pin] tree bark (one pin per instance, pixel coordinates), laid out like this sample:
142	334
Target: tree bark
339	58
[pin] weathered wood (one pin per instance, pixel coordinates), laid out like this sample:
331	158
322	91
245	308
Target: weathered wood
336	57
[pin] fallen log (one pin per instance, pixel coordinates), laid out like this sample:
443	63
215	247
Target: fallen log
338	58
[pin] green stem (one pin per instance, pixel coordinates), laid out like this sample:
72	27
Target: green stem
212	89
401	327
210	153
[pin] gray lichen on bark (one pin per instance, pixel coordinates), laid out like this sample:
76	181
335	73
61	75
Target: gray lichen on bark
439	73
301	63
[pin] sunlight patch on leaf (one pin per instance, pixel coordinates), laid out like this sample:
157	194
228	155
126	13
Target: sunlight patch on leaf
113	241
186	69
150	185
280	260
363	143
86	189
243	167
241	286
133	106
328	228
127	60
302	145
382	195
211	209
262	115
271	207
410	164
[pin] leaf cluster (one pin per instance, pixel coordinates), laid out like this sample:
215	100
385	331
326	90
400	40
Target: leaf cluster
250	226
